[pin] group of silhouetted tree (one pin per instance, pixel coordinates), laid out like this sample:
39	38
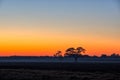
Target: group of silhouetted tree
69	53
77	53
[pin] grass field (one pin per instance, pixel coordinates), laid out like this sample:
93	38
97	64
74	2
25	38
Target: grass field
29	74
108	67
59	71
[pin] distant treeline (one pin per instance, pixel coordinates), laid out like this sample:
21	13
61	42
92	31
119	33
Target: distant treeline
69	53
114	55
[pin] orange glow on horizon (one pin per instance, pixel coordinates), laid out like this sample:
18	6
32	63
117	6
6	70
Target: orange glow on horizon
37	44
40	50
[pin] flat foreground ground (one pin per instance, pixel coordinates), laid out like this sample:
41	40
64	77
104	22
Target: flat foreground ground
29	74
108	67
59	71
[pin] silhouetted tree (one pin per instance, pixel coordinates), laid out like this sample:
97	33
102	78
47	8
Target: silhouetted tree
72	52
114	55
58	54
80	49
103	56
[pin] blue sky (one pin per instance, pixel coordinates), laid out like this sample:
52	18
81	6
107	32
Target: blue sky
84	14
96	13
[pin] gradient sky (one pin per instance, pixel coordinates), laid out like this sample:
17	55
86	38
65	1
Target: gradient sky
41	27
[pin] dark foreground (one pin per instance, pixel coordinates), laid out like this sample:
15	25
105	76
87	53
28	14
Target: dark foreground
59	71
29	74
105	67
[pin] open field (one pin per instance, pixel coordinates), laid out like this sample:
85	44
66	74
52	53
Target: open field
108	67
29	74
38	69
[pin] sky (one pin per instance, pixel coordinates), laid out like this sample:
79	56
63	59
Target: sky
41	27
